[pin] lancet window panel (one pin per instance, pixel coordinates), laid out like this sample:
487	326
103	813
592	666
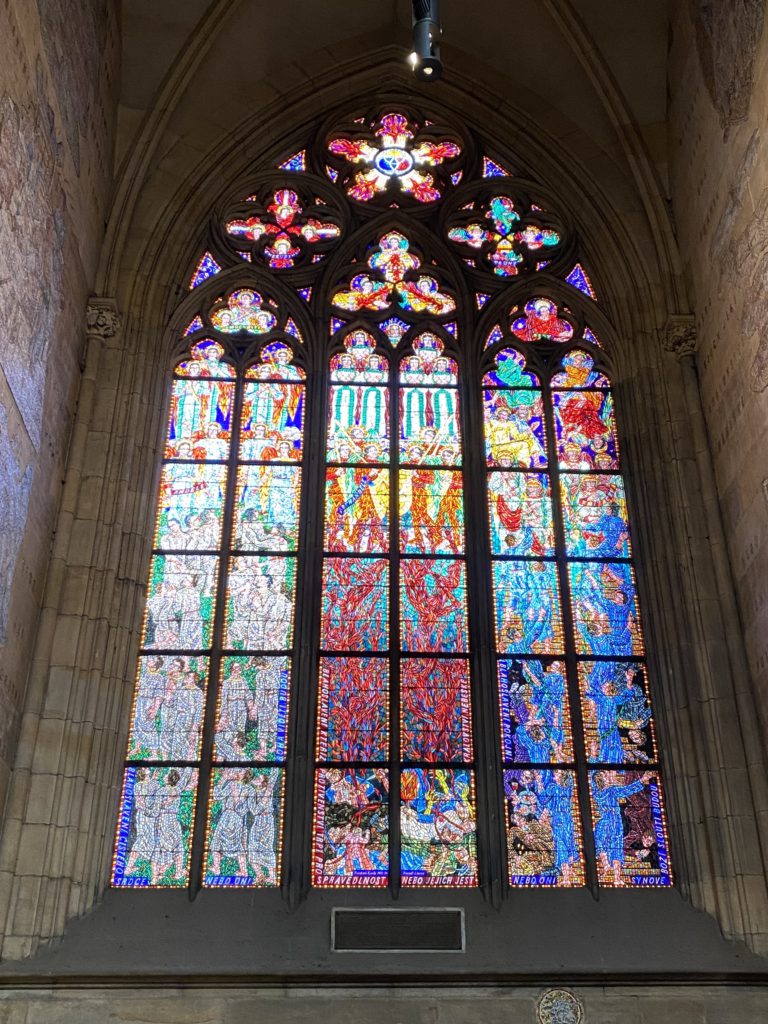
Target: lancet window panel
581	775
202	798
393	550
394	784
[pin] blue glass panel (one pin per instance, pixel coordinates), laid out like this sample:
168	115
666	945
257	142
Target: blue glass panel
535	718
630	828
543	829
527	608
605	611
618	723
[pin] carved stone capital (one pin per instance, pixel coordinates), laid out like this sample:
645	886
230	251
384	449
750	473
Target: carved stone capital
679	336
102	319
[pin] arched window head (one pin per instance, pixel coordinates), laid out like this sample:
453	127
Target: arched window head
392	587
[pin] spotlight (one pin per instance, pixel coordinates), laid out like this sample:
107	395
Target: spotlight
425	58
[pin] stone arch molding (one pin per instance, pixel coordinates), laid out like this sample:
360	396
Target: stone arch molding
57	841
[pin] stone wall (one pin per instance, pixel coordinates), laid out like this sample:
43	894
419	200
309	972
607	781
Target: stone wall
58	65
719	160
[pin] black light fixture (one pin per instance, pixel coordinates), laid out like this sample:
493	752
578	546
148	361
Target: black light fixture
425	58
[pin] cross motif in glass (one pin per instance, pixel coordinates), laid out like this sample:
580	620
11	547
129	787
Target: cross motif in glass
504	240
280	231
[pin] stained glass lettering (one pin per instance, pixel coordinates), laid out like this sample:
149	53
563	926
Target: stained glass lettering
435	711
154	828
351	827
190	506
437	827
630	831
252	713
535	718
243	834
543	831
357	509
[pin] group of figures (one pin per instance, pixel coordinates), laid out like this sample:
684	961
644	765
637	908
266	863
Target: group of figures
437	827
242	842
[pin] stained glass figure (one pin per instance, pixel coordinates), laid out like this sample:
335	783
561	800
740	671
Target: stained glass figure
618	723
605	609
540	322
435	710
520	510
251	717
355	615
514	429
594	515
393	157
206	267
267	508
357	509
586	430
506	238
579	278
167	708
358	424
393	260
535	716
394	330
278	236
510	371
179	610
353	717
154	825
578	372
351	827
242	842
433	600
528	618
438	844
429	425
260	602
431	509
244	312
272	418
190	506
629	827
543	831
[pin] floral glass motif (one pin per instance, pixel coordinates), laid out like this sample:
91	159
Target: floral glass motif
279	233
393	158
505	237
580	493
393	260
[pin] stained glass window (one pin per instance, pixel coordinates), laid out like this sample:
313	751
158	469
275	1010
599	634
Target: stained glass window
564	587
391	545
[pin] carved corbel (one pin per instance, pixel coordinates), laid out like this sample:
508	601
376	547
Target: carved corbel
102	319
680	337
